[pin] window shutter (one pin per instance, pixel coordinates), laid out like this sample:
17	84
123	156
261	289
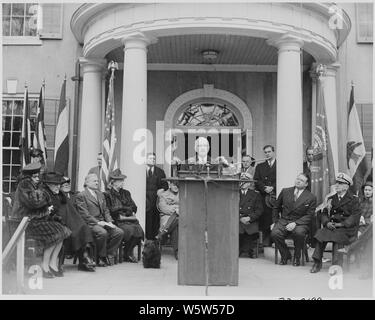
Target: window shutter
365	19
52	21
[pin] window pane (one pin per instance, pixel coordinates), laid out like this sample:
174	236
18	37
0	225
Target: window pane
49	115
50	133
17	123
16	157
7	121
6	139
6	187
16	139
6	172
6	156
18	107
15	172
30	26
6	9
17	27
6	26
18	9
7	107
31	8
33	107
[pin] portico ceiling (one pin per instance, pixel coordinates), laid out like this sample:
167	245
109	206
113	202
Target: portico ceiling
232	49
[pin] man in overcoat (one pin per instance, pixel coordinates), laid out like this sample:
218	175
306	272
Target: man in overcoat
292	214
92	206
340	220
154	182
251	209
265	183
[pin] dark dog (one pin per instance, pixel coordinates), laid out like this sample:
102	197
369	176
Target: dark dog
151	255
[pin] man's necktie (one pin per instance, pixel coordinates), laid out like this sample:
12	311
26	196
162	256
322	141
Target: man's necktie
295	195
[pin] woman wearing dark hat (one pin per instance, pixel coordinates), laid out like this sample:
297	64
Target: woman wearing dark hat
123	209
81	236
31	201
36	156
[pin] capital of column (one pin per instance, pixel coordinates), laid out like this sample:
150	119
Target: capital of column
92	65
330	70
137	40
287	42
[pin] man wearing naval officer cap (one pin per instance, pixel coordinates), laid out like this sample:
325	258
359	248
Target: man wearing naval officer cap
340	219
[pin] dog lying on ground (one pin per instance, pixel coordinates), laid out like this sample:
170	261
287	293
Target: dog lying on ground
151	255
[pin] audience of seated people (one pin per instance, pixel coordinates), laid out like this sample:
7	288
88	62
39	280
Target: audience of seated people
31	200
92	206
123	209
168	207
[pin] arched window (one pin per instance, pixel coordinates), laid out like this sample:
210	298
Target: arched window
207	114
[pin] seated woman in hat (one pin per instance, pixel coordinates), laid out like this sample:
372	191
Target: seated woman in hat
36	156
81	237
123	209
31	201
340	219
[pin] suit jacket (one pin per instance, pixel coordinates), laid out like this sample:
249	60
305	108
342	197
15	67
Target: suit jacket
265	176
300	211
92	210
346	211
153	184
307	172
250	206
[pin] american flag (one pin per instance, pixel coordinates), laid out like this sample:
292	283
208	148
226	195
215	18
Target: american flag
40	140
25	139
109	161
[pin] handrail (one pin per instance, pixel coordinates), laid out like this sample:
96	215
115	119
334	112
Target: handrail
15	239
18	241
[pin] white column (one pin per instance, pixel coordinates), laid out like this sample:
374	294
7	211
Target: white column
329	87
289	140
90	128
134	119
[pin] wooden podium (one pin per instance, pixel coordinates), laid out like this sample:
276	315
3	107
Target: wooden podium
208	230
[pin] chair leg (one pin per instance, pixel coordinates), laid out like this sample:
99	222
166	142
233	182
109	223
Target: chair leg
139	250
276	255
121	253
75	259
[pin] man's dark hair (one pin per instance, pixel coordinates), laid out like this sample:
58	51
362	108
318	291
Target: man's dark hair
151	153
252	164
269	146
303	174
309	148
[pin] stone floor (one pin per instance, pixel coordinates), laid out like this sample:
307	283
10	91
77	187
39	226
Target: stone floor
258	279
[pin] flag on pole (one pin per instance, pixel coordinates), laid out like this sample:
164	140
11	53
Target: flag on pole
109	159
40	140
62	135
25	141
322	167
355	147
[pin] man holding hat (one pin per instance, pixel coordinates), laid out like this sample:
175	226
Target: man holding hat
340	219
251	208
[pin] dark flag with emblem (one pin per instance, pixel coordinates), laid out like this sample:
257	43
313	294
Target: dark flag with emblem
25	141
109	161
40	140
62	134
322	167
355	147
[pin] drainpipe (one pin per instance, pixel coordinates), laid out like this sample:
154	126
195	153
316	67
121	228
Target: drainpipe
77	96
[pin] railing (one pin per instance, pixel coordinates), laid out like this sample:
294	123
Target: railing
17	240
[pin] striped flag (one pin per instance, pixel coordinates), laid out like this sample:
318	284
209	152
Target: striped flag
109	161
25	140
322	167
61	136
40	141
355	147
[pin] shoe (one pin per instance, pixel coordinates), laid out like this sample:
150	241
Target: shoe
109	261
284	261
296	262
131	259
88	261
342	250
102	263
316	267
59	273
252	255
85	267
47	274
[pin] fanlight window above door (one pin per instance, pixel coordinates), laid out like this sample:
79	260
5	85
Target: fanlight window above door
207	114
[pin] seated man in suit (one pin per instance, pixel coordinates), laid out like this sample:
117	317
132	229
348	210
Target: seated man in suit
297	206
168	207
92	206
251	208
340	219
